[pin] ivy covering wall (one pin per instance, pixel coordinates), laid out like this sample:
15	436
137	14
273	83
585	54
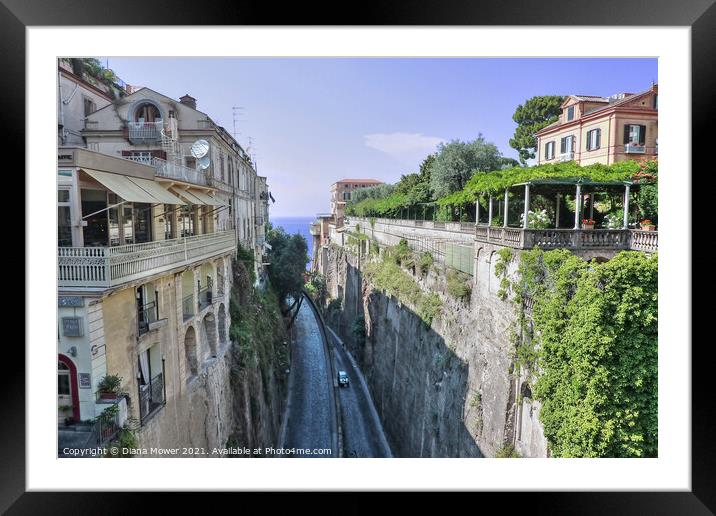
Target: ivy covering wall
593	351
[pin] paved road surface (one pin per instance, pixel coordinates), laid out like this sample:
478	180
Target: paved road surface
310	414
362	431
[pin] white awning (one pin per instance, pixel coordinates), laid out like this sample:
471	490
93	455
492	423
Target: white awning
157	191
189	197
122	186
208	199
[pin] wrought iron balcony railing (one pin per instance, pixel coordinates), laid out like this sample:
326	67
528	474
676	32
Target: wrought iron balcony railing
634	148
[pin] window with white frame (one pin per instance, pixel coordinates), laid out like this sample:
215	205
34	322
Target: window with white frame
549	150
570	113
64	218
594	139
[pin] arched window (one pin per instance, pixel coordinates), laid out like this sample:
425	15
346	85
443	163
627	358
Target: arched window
147	112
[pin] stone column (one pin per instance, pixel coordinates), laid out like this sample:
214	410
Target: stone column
489	212
556	225
626	206
477	210
577	206
525	223
504	221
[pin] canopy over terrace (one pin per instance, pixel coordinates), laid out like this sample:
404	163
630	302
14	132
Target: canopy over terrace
559	189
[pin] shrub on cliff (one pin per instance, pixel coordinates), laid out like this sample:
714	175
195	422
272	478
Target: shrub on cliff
595	335
457	284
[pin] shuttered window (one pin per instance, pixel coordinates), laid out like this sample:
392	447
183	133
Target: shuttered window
634	134
549	150
594	139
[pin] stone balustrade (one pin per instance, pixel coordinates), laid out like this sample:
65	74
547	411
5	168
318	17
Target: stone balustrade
519	238
105	267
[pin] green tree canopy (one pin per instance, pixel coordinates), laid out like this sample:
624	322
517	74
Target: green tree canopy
457	161
288	258
533	115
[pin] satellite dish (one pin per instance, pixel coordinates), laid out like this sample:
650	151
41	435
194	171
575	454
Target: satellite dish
203	163
199	149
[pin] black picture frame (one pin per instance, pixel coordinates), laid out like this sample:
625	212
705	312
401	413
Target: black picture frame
700	15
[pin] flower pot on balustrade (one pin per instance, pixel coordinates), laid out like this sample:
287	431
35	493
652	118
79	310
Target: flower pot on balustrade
648	227
587	226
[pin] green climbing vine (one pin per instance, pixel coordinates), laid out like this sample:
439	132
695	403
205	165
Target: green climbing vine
504	257
592	349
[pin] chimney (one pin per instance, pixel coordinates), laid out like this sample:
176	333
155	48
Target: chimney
188	100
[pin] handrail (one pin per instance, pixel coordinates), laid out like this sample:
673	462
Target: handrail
111	266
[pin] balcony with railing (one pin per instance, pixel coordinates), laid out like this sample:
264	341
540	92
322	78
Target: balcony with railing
152	396
147	315
634	148
144	132
171	170
98	268
205	294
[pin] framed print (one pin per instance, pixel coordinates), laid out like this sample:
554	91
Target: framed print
432	247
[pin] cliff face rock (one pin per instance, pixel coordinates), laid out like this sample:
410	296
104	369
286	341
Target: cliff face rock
445	390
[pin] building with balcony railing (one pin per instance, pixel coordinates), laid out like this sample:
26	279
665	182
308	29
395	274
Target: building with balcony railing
593	129
142	272
154	129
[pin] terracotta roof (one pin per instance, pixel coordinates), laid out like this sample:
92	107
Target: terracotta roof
607	105
591	98
374	181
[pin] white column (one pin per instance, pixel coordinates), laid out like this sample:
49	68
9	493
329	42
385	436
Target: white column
556	224
577	206
626	205
477	210
525	223
504	220
489	212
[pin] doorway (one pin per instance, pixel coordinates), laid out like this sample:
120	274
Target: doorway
65	406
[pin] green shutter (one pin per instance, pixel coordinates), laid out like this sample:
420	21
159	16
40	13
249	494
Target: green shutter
626	134
599	138
642	135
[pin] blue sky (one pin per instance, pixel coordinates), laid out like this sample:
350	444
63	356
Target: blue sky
316	120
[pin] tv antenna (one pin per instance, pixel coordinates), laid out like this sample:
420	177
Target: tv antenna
236	113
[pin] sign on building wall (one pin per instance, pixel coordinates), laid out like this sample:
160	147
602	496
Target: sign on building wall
72	326
84	380
70	301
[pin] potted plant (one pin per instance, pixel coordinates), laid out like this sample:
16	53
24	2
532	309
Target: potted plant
109	386
587	223
647	225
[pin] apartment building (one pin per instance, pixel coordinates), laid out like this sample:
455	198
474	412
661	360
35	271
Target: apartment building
341	192
142	294
146	238
82	90
593	129
148	127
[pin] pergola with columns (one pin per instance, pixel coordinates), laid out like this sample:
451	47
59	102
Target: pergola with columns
558	187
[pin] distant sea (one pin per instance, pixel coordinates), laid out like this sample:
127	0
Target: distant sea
300	225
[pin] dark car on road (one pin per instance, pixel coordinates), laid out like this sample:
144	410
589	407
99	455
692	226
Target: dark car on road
342	379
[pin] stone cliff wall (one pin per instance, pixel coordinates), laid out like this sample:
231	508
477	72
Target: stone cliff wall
448	390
